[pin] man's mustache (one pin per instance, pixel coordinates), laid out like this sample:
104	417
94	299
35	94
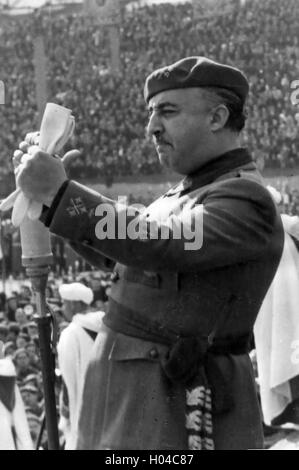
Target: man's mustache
159	141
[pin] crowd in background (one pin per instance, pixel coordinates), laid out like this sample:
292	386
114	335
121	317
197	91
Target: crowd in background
261	38
19	333
289	199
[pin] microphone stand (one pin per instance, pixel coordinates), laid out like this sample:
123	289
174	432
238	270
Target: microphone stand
36	258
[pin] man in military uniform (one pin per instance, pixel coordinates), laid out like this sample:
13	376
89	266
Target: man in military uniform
170	369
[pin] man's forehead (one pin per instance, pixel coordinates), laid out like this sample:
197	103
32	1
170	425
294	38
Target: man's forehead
178	97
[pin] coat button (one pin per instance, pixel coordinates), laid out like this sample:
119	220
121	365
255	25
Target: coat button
153	353
114	277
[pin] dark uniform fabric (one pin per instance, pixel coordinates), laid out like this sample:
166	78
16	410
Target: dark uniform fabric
128	401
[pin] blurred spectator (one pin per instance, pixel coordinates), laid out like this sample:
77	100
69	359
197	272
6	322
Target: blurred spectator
73	349
20	316
32	352
13	331
2	301
3	333
12	305
14	426
30	395
32	329
22	364
22	340
25	293
9	349
34	423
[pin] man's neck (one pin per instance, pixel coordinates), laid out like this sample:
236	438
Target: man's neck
226	144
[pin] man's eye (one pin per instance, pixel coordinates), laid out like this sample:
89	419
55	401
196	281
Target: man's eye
161	112
167	111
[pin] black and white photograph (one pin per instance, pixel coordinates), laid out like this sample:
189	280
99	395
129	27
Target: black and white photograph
149	227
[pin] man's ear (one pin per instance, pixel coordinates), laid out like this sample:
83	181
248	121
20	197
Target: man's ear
219	117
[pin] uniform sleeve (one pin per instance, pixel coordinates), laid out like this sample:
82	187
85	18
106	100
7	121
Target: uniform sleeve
93	256
235	223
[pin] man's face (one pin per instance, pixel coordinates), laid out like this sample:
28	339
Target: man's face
22	360
21	342
20	316
32	330
179	123
68	310
30	398
25	292
31	350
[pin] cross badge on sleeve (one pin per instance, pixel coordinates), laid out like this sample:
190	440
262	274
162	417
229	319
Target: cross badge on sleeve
77	207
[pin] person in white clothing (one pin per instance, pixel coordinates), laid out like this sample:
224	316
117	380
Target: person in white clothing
15	433
276	330
74	347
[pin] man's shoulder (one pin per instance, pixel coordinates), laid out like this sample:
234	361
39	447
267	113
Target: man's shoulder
244	184
70	333
243	194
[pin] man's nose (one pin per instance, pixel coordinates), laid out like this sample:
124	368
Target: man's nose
155	126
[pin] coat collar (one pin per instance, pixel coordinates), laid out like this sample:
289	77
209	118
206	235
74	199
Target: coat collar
208	173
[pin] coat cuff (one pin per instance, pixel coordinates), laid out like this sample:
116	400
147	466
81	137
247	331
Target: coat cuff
48	212
73	213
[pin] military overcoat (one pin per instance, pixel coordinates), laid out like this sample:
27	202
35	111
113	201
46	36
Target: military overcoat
129	402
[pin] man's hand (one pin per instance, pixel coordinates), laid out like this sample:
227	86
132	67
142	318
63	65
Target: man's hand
48	186
38	174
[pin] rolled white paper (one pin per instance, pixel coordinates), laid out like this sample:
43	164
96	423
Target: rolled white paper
56	128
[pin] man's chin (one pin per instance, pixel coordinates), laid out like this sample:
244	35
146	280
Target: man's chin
168	163
165	160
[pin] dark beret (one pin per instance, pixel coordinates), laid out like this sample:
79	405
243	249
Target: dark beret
196	72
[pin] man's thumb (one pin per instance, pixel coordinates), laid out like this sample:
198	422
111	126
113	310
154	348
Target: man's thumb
69	156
